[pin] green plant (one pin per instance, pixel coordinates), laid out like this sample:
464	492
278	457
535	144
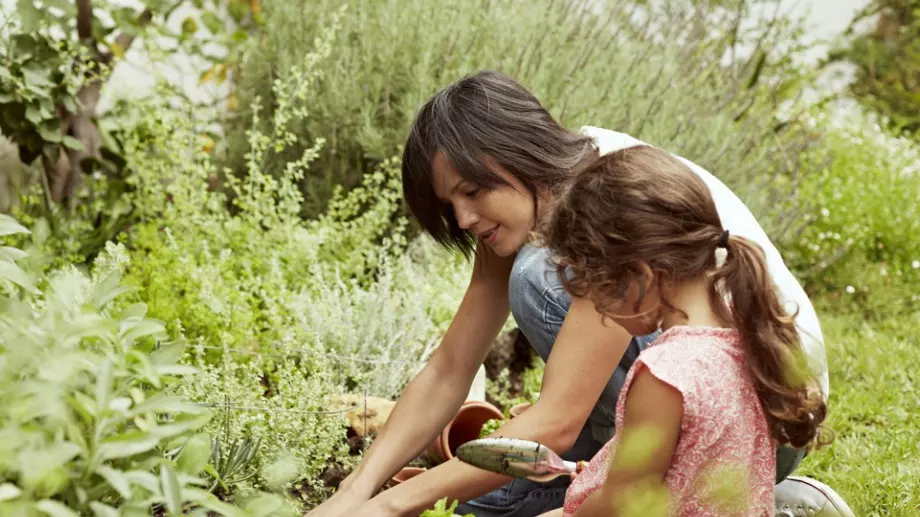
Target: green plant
661	79
56	59
441	509
860	244
887	61
490	427
88	427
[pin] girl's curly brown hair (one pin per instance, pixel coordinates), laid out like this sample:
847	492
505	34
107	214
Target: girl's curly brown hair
642	205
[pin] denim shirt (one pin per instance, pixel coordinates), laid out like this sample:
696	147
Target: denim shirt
539	305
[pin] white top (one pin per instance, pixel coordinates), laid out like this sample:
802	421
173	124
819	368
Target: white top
738	220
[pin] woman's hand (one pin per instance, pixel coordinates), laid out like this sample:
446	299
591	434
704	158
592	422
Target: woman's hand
343	503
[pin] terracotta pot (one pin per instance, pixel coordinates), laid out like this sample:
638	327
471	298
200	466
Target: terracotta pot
517	409
464	427
406	474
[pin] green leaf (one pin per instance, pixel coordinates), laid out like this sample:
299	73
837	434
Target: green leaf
171	491
143	479
161	403
263	505
127	444
189	26
9	491
134	330
13	273
55	509
12	254
71	104
103	510
136	310
108	289
40	79
104	384
194	454
72	143
212	22
181	425
65	5
9	226
28	15
50	132
169	353
237	9
210	502
33	114
175	369
116	479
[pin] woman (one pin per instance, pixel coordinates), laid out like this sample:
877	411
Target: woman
481	164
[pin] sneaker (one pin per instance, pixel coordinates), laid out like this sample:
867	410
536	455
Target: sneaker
799	496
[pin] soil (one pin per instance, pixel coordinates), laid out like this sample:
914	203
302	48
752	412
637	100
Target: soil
513	351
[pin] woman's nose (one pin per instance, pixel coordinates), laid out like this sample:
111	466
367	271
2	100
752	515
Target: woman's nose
466	218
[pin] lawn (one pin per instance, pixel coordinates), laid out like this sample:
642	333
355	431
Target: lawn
874	461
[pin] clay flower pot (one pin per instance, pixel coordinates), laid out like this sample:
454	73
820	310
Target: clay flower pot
517	409
406	474
464	427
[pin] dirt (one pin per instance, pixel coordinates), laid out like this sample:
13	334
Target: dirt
509	350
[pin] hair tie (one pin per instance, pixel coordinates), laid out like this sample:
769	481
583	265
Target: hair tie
723	241
721	253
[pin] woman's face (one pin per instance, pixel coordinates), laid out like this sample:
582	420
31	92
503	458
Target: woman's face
501	218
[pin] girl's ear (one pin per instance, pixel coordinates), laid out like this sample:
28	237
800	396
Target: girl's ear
649	277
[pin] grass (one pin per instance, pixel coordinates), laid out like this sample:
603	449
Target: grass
874	461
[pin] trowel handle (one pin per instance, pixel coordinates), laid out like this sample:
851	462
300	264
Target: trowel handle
575	467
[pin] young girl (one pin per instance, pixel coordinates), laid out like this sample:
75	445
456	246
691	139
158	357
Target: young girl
709	400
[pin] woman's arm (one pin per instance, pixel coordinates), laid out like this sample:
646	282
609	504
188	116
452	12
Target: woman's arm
651	427
435	394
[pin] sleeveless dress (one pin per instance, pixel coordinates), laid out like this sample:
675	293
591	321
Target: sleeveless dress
724	455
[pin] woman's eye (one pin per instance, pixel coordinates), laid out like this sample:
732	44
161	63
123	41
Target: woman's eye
472	193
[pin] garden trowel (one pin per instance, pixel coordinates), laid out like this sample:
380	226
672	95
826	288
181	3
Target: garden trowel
518	458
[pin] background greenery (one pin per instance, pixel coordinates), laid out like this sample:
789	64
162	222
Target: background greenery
262	259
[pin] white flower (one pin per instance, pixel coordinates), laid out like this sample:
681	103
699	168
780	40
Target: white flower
825	212
915	264
851	289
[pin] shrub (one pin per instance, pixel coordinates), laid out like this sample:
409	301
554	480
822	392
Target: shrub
88	427
860	244
655	71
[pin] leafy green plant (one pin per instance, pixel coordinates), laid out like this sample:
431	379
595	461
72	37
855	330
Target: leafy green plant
490	427
56	60
859	245
441	509
88	427
887	61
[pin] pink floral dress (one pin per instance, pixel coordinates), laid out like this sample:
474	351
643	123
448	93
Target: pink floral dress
724	446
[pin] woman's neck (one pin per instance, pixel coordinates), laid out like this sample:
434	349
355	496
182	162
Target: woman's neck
694	308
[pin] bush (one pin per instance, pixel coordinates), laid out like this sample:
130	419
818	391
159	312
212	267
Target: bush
861	243
88	425
655	72
887	62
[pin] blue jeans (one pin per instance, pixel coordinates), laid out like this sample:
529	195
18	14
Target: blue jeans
539	305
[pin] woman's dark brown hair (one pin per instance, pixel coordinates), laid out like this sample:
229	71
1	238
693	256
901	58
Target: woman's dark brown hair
642	206
487	114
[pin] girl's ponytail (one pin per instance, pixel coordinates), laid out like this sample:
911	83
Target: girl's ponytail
744	292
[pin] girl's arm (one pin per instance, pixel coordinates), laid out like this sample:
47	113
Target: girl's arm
643	455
